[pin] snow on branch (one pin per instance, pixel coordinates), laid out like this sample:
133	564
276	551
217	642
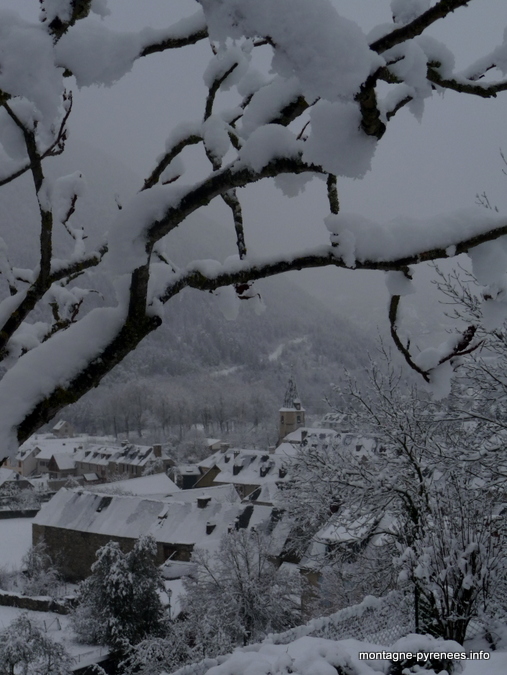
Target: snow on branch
308	94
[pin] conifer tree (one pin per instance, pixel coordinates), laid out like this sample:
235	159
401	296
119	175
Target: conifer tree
119	603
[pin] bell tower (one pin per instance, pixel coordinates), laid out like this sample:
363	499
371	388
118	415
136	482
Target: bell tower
292	413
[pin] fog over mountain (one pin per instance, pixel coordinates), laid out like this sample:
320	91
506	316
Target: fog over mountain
316	325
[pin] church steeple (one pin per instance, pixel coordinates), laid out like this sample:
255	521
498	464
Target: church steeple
292	414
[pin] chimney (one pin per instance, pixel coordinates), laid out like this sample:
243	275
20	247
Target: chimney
210	527
202	502
224	447
157	450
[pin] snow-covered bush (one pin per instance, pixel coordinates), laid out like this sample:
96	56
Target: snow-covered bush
236	597
25	650
240	592
457	562
40	571
119	603
425	645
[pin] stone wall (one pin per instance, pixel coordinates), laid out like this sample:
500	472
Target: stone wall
40	604
8	513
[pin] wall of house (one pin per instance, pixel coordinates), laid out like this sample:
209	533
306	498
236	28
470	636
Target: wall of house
75	551
208	480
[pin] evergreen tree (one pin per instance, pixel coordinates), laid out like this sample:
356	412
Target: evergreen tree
119	603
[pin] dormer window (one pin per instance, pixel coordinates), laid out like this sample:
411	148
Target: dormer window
104	503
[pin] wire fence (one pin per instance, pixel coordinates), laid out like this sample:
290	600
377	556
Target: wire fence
381	621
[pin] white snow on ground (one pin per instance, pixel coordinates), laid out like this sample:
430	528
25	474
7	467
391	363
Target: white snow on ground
497	665
175	590
57	627
319	656
15	540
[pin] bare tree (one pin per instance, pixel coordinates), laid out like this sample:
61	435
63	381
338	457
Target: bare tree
319	116
413	500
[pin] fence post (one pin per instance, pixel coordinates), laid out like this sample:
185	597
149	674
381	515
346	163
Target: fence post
416	608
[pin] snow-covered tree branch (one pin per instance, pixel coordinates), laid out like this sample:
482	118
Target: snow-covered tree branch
318	110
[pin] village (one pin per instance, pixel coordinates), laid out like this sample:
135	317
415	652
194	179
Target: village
77	493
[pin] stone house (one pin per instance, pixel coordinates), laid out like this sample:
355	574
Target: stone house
34	455
76	523
247	470
129	460
63	429
61	466
11	481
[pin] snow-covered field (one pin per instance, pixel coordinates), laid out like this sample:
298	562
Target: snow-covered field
15	540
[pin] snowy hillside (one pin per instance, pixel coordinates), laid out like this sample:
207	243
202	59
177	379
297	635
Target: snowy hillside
295	332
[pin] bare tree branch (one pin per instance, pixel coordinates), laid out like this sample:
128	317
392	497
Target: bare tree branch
418	25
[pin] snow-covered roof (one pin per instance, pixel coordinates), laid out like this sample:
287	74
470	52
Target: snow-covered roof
245	467
10	476
187	470
219	493
157	483
298	435
131	455
170	520
358	445
64	462
52	446
286	450
268	493
342	528
59	425
345	528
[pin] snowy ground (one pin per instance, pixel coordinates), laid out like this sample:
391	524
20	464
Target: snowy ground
497	665
57	627
15	540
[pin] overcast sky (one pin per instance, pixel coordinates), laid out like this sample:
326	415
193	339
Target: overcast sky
420	168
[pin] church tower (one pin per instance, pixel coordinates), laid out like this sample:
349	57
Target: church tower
292	414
